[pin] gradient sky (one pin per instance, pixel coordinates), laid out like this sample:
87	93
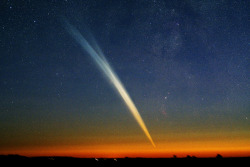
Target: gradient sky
185	64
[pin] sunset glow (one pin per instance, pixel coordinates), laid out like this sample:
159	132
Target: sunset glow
125	78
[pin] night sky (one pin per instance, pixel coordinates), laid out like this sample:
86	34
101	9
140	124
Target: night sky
184	63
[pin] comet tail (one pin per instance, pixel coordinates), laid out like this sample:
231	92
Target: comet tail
103	64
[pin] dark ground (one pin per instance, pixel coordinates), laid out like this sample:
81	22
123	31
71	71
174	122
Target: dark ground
126	162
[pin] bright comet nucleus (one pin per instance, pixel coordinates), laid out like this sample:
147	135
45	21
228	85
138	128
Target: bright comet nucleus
103	64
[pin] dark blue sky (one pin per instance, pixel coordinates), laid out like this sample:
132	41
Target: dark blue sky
184	63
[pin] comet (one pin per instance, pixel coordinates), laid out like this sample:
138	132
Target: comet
102	63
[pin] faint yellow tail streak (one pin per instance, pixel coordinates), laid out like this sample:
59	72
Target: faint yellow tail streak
103	64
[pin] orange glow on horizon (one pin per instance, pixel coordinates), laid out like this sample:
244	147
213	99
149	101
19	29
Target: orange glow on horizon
163	150
199	144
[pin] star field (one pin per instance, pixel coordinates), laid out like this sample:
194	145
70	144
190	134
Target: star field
185	65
